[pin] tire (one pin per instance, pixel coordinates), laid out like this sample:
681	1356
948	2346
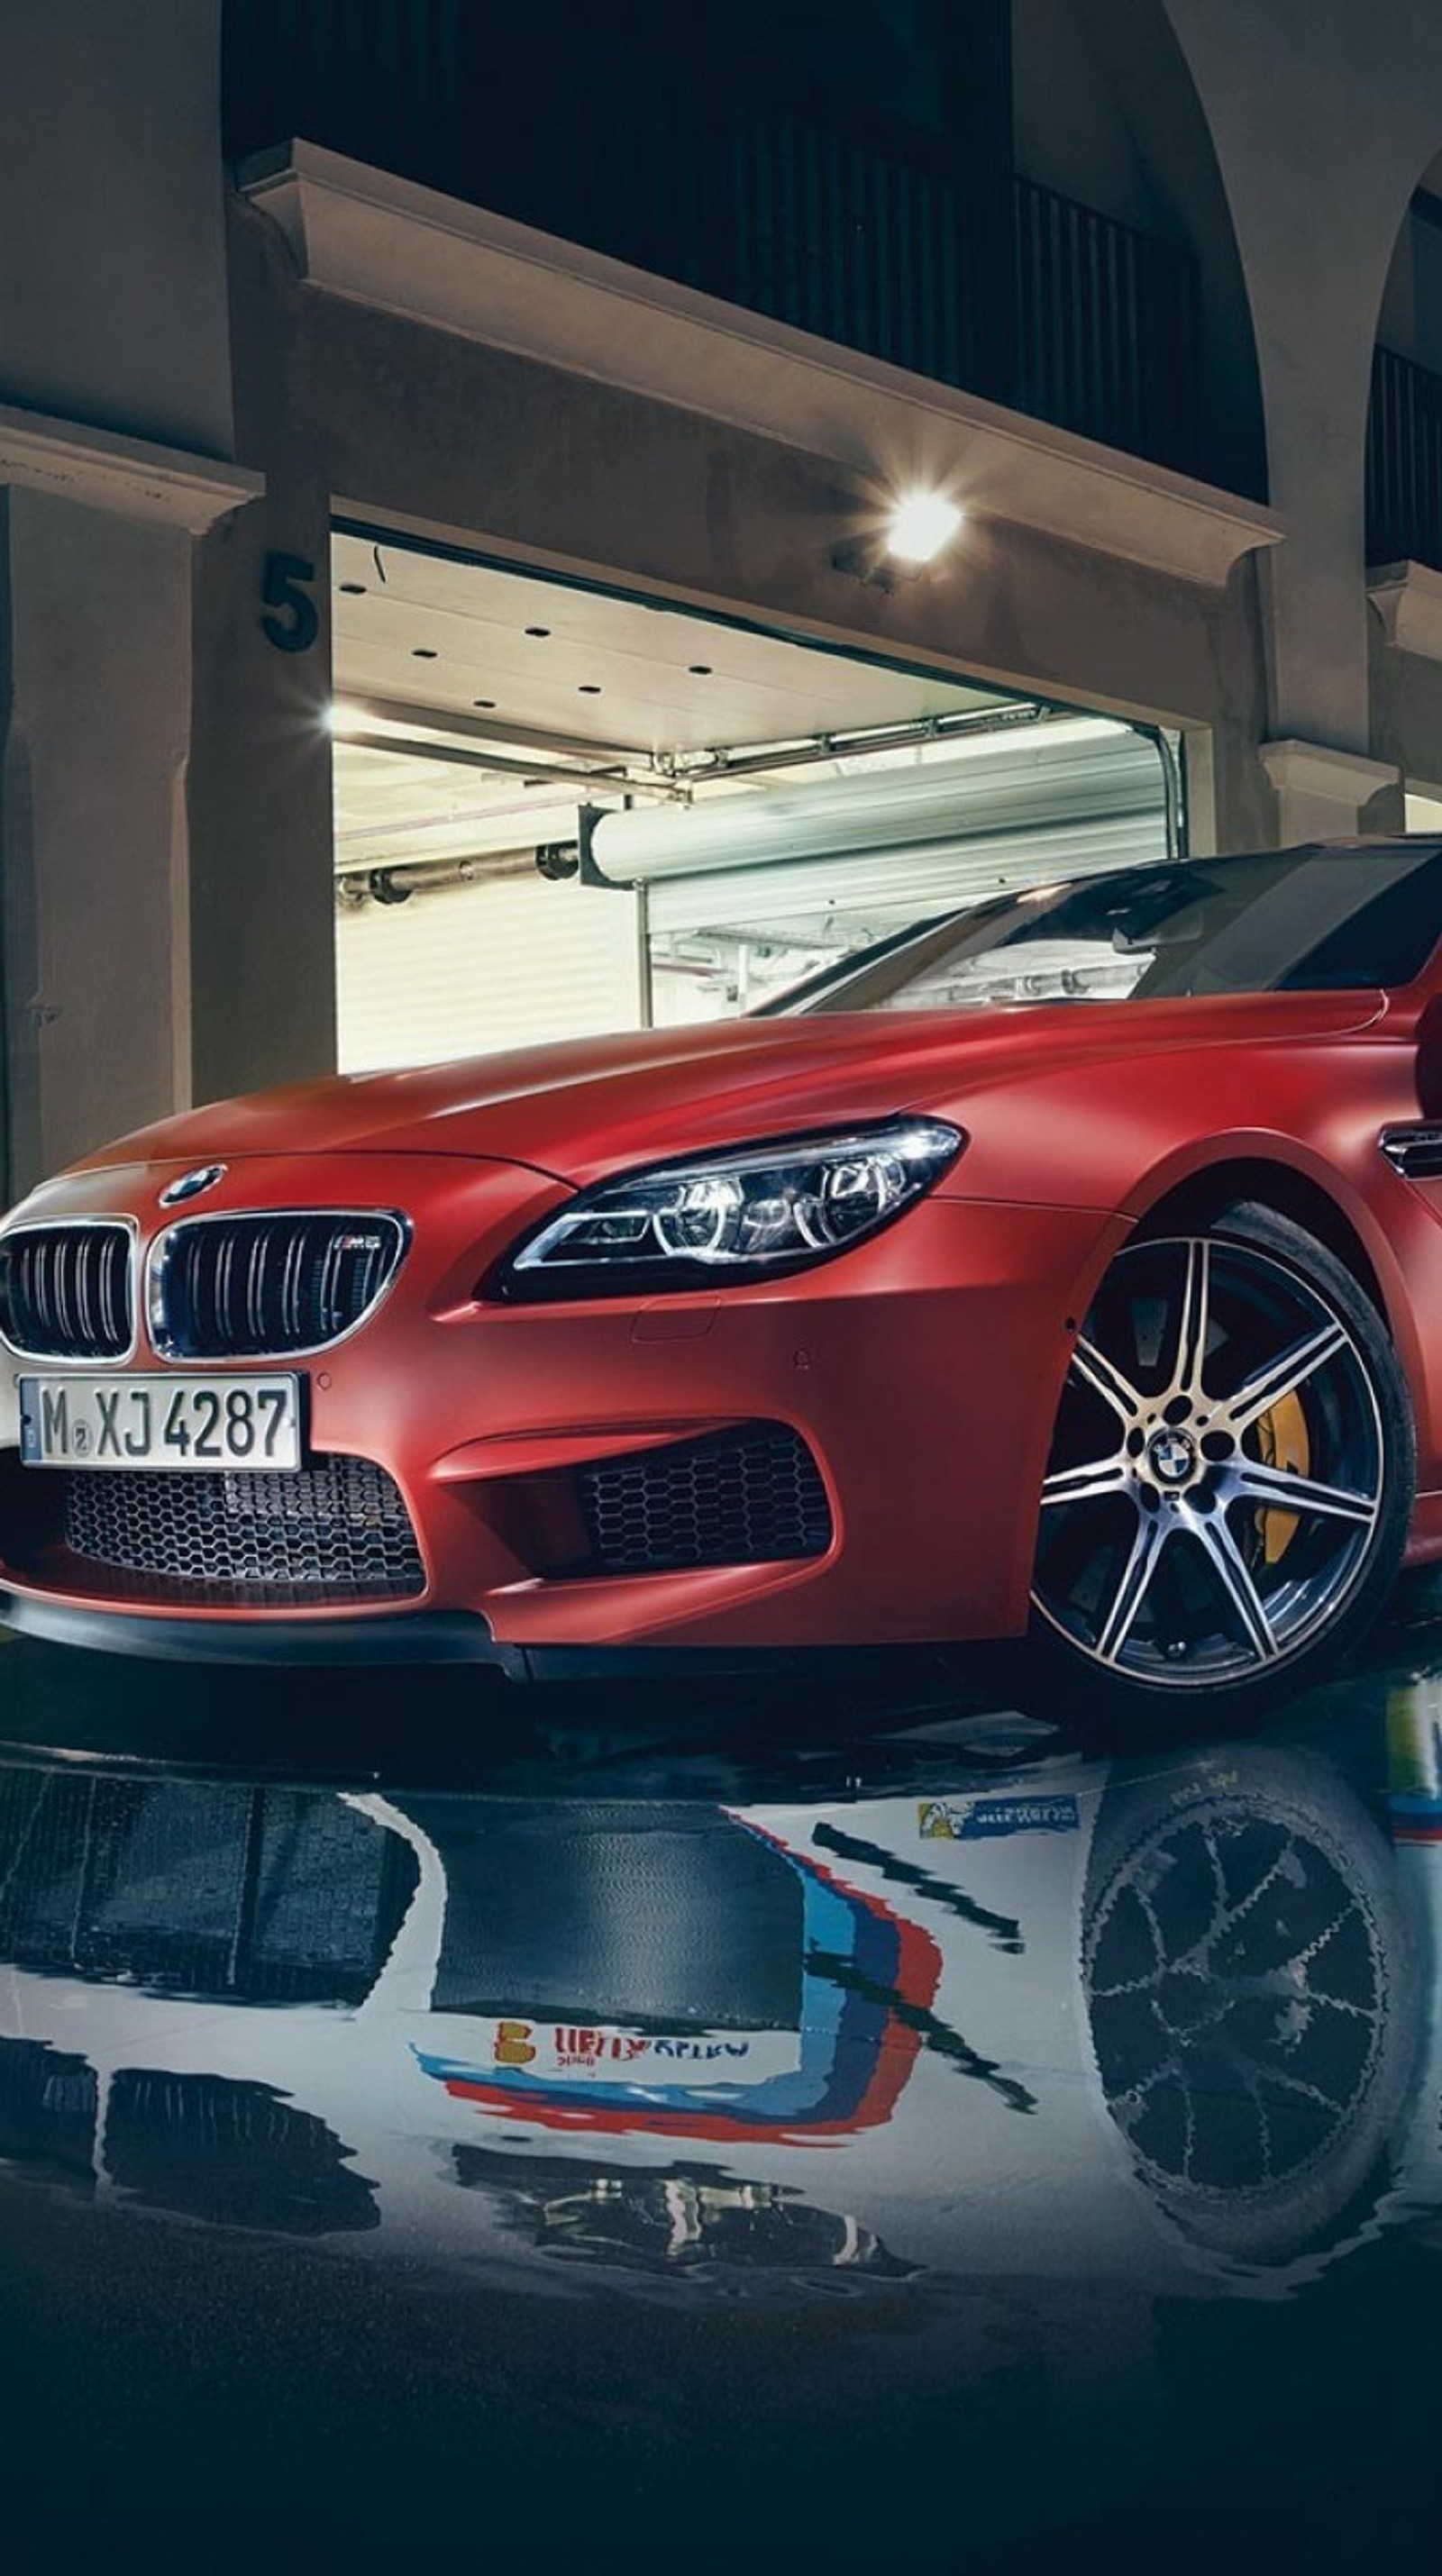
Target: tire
1249	1967
1230	1482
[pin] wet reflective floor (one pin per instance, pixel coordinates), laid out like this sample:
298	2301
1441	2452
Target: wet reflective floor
832	2129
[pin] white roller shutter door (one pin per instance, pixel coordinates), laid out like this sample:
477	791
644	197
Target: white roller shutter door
894	845
473	969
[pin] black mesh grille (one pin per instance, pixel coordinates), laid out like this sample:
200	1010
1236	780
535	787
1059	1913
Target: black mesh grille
245	1287
738	1498
337	1531
65	1291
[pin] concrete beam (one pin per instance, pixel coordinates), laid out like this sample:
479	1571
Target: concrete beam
375	240
1321	793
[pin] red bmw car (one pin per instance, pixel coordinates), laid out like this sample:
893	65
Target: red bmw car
1068	1268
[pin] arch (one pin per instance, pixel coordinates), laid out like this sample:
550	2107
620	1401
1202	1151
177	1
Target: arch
1409	319
1322	117
1404	417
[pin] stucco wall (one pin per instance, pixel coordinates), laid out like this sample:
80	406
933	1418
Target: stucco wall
112	203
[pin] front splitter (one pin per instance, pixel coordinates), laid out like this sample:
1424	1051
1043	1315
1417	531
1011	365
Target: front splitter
420	1637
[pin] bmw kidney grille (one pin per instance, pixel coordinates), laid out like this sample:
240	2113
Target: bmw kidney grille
243	1287
247	1287
66	1292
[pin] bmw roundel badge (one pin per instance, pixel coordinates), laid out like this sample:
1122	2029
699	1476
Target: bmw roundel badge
190	1184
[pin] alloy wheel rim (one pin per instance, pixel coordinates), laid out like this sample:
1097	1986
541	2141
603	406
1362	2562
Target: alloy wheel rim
1237	1988
1217	1471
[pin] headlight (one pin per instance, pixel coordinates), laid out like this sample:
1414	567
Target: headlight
743	1215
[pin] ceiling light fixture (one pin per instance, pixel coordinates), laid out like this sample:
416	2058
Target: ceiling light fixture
920	524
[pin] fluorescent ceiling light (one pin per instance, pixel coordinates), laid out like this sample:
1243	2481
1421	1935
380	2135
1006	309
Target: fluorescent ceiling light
921	523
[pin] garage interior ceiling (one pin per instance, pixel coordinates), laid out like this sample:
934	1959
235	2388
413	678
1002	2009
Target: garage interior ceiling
477	708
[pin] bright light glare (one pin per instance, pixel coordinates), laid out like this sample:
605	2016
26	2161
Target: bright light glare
920	525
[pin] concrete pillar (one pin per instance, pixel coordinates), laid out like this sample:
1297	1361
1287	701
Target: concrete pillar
260	789
258	806
165	770
96	725
96	689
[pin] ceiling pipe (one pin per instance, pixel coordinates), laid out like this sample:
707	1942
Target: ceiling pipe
667	792
874	738
356	887
476	728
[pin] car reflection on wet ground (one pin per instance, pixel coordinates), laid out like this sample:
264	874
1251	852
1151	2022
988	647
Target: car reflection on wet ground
767	2132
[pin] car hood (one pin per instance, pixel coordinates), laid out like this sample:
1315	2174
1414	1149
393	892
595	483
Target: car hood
580	1110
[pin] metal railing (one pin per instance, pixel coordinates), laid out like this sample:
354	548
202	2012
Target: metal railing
1404	463
866	238
1108	329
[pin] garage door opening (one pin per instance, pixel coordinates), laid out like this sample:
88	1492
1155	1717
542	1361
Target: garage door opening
561	812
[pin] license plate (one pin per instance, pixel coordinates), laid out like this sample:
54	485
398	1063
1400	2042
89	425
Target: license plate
244	1424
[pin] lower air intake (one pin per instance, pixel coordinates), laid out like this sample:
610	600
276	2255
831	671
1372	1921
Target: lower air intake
735	1498
338	1531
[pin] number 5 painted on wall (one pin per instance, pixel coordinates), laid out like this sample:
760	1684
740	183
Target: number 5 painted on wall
293	620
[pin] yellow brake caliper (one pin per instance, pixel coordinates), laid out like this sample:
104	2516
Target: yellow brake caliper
1282	1438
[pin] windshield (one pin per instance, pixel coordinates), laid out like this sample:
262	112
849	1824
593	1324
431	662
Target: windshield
1315	920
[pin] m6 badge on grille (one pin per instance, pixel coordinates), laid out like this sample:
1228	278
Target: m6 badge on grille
236	1423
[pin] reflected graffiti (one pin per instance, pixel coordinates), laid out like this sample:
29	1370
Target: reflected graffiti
672	2038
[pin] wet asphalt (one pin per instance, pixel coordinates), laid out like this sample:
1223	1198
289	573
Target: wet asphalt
849	2125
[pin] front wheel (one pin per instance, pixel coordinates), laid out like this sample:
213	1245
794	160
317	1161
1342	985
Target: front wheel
1230	1480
